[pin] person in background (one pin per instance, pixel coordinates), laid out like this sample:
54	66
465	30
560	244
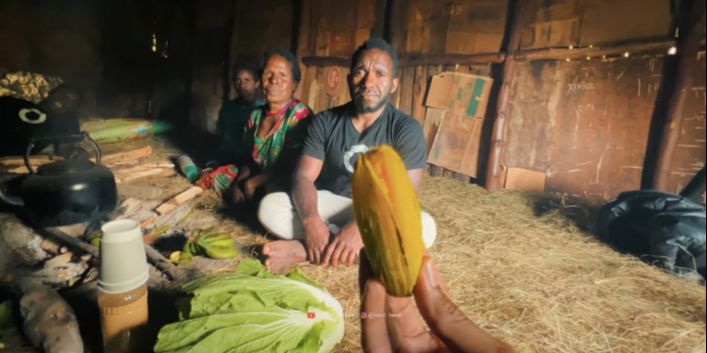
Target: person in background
274	133
235	113
317	223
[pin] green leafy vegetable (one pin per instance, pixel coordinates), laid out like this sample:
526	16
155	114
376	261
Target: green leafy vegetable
9	335
210	242
252	310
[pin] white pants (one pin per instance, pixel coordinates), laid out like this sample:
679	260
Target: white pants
279	216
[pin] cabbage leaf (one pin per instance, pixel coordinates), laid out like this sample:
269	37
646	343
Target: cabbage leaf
252	310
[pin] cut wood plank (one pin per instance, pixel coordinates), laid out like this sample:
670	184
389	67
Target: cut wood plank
16	165
19	160
181	198
146	192
170	218
127	156
134	208
123	176
142	167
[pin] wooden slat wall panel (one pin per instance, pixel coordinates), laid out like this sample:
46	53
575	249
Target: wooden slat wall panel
338	28
689	155
419	91
260	26
326	87
407	82
585	124
433	27
593	22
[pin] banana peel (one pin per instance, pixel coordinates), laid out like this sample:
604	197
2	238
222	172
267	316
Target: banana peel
209	242
388	215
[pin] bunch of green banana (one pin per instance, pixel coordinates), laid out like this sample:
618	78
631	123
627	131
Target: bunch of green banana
388	216
95	238
209	242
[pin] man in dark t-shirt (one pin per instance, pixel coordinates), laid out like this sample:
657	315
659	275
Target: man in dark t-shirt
333	139
317	224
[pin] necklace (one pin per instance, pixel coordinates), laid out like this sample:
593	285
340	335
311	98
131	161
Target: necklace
281	110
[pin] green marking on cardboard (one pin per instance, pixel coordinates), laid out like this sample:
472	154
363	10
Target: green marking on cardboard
474	101
437	151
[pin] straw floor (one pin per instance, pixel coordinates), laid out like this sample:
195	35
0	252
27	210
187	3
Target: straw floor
537	281
523	270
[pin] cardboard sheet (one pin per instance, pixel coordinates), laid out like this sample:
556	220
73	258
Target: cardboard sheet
525	180
456	146
461	94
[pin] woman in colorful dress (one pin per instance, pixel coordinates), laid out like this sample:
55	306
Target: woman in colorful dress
275	131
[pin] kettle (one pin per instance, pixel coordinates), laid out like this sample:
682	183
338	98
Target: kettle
66	191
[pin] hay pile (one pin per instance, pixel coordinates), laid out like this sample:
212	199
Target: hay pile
536	281
540	283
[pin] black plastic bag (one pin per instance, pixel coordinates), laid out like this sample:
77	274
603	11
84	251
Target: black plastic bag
664	229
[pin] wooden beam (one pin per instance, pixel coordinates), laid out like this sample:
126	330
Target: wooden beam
323	61
452	59
511	43
303	32
416	59
671	100
384	10
632	47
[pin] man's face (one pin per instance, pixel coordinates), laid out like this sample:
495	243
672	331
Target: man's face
372	81
245	85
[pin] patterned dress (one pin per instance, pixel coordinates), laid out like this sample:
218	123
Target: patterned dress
278	150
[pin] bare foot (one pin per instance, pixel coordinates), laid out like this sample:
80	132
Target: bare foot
283	255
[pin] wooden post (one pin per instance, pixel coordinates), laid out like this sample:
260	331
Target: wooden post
233	24
382	25
303	25
669	107
511	44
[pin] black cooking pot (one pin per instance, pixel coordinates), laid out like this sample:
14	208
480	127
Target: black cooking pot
67	191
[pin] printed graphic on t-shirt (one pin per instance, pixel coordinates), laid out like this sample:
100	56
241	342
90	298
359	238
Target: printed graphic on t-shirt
352	155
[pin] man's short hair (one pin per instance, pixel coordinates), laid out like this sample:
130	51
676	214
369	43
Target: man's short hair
376	43
296	74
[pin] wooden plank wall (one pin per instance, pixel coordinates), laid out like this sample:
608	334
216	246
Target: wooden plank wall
209	72
459	27
466	27
259	26
228	32
592	22
689	155
585	124
582	122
